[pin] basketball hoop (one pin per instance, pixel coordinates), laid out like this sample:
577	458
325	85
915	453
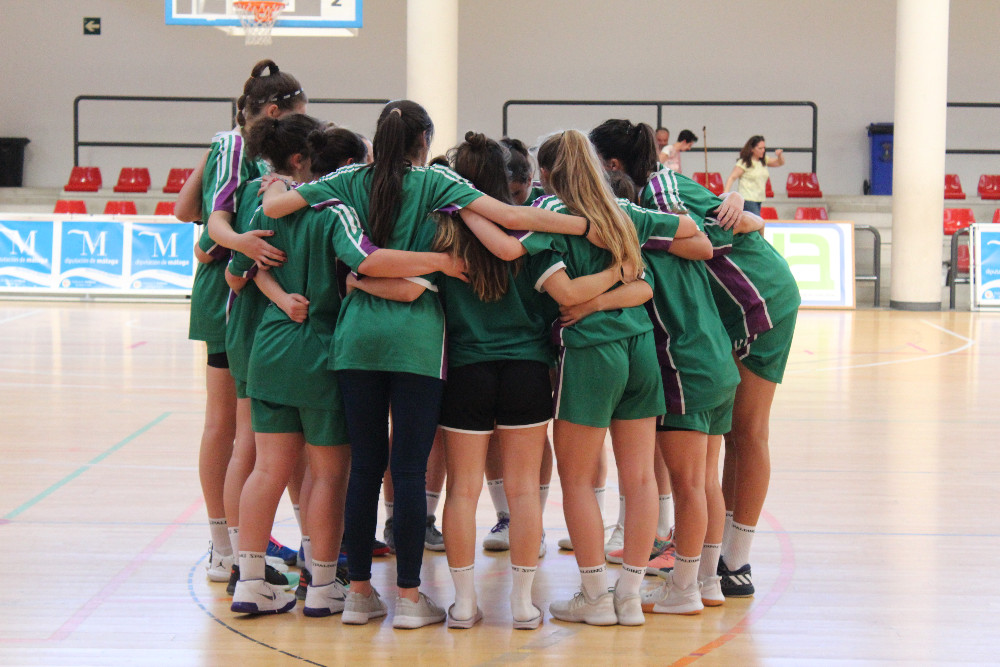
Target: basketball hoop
257	18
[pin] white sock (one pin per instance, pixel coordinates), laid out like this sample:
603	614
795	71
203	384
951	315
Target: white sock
709	561
727	531
621	511
251	565
388	510
594	580
666	522
234	539
432	502
298	517
323	572
498	496
219	531
465	591
630	580
520	593
738	550
685	570
543	495
307	552
599	492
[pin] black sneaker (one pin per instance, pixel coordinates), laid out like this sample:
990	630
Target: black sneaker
305	578
271	576
735	584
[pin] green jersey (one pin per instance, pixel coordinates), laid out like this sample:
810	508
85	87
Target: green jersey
247	307
377	334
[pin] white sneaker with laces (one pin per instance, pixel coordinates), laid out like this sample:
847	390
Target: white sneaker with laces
359	609
463	623
218	566
669	599
499	536
256	596
530	623
628	609
581	609
325	600
410	615
542	549
565	543
616	541
711	591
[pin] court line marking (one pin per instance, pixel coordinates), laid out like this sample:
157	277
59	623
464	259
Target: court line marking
21	315
84	468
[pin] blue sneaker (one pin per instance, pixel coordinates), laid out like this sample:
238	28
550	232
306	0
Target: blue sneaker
279	550
300	558
735	584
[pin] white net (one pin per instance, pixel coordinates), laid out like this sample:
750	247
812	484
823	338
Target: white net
257	18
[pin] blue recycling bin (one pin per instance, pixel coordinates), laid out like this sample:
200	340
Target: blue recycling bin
880	174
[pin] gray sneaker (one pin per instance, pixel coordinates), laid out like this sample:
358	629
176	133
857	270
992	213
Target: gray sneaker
433	539
387	536
410	615
359	609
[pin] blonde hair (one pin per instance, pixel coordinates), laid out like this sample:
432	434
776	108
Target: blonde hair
576	177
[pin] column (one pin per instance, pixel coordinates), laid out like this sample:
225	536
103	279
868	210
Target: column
432	66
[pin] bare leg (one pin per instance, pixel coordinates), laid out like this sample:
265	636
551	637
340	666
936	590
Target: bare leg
523	452
217	438
329	468
713	493
277	456
748	442
240	463
466	461
633	441
578	452
685	454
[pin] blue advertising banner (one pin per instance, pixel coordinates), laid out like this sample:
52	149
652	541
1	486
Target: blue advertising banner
92	255
985	268
26	253
162	257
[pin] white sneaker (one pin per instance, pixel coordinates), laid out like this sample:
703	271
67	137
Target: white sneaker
581	609
542	549
669	599
628	609
463	623
276	563
410	615
616	541
531	623
499	537
711	591
325	600
359	609
256	596
218	566
565	543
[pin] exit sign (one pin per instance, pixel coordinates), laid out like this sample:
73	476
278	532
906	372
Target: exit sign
92	25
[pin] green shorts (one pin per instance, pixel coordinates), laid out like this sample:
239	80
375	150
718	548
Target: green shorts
616	380
714	421
323	428
767	354
215	347
241	389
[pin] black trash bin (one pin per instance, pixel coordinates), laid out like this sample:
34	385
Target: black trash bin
12	161
880	180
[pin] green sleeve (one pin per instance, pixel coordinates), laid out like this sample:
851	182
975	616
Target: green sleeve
448	188
349	240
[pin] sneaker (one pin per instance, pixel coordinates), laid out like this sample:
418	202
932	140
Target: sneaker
565	543
542	549
711	591
305	578
660	546
380	548
663	563
463	624
218	566
433	539
499	537
359	609
387	536
300	558
581	609
669	599
275	562
616	541
410	615
271	576
260	597
279	550
735	584
325	600
628	609
531	623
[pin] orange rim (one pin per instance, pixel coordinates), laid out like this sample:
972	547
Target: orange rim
263	10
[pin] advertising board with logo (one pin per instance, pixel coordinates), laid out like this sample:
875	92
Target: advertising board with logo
821	257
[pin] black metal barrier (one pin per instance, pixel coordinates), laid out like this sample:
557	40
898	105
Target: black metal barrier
223	122
876	274
952	278
659	115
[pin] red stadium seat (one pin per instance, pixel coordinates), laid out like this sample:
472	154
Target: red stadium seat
956	219
768	190
714	181
120	208
70	206
803	184
989	186
176	179
811	213
84	179
133	179
996	216
768	212
963	258
953	187
164	208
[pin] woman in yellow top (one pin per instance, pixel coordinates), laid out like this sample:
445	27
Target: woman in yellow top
751	170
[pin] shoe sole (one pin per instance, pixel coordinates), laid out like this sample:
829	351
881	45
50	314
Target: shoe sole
412	622
610	620
738	595
216	576
320	612
464	624
360	617
681	611
253	609
712	603
496	546
433	547
617	560
531	624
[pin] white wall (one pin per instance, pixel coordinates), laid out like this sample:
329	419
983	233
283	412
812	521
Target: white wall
837	53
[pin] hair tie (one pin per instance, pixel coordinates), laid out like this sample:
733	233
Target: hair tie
397	111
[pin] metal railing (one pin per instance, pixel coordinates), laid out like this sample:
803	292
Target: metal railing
223	122
952	278
659	115
973	151
876	274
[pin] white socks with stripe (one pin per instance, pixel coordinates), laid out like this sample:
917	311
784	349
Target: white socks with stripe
234	539
520	593
465	591
218	529
599	492
432	505
307	552
498	496
543	495
251	565
621	511
666	522
685	571
629	580
594	580
736	550
709	561
323	572
388	510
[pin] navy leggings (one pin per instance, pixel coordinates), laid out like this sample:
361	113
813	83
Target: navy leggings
416	405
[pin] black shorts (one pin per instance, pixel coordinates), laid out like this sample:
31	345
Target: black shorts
507	393
218	360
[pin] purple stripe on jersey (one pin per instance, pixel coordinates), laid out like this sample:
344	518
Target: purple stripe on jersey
517	234
658	195
450	208
672	392
741	289
218	252
538	199
251	272
722	251
657	243
367	245
329	203
226	200
556	332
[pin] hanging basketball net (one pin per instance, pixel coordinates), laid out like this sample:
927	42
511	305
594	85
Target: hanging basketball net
257	18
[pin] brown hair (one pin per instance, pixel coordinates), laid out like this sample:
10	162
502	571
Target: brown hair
632	145
278	139
261	89
746	153
333	147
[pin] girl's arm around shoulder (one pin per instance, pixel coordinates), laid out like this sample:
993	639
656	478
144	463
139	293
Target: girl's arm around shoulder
749	222
391	289
496	240
697	247
279	201
295	306
572	291
634	293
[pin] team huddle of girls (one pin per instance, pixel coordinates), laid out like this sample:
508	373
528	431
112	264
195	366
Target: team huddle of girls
369	292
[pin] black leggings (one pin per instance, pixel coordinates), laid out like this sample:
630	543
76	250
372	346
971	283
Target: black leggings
416	404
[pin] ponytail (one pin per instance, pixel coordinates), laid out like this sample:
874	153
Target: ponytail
334	147
634	145
278	139
260	90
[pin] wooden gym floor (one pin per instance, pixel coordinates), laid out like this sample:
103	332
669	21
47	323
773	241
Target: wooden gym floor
875	545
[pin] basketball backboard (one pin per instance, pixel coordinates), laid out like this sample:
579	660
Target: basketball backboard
300	18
